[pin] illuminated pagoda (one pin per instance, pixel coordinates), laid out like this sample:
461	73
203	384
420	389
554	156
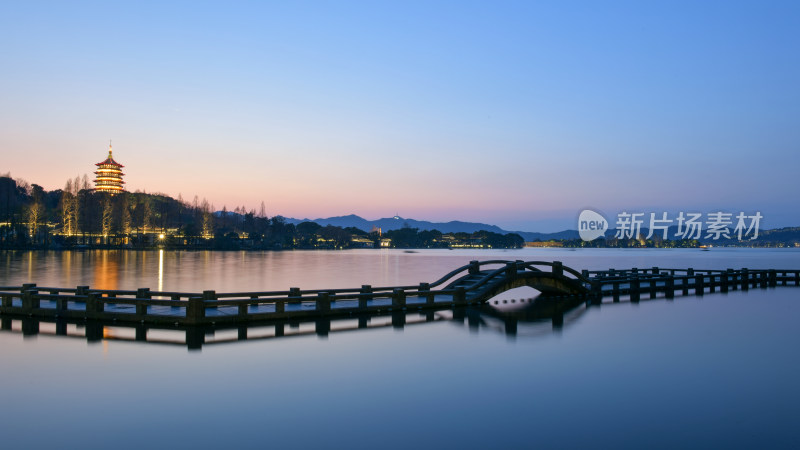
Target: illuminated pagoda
109	175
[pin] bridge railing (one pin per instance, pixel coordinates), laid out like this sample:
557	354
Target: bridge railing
698	282
211	306
421	288
189	308
662	271
513	268
558	265
473	267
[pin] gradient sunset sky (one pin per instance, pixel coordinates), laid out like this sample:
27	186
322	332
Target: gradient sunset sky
518	114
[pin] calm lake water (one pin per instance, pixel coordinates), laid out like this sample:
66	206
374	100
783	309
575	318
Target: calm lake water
715	371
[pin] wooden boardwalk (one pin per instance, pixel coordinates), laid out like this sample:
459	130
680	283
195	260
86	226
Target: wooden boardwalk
472	284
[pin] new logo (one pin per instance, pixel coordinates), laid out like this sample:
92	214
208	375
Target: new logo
591	225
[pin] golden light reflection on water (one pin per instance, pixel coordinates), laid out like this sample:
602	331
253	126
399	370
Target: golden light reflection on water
106	272
66	264
161	270
30	267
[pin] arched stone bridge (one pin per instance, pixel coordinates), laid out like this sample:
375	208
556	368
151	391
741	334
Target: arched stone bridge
482	280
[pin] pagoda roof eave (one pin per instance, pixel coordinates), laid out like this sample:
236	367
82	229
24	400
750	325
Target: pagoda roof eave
109	161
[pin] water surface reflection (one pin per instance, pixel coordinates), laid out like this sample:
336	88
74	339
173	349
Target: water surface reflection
698	372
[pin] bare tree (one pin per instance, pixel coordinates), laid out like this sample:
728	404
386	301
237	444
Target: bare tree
127	220
108	211
35	216
69	209
147	218
208	220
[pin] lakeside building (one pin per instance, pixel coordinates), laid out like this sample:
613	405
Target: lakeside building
550	243
109	175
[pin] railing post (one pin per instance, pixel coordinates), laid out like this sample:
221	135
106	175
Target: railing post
511	268
656	271
699	287
363	301
669	286
474	267
210	295
558	268
323	302
30	301
94	306
460	296
733	280
245	307
61	305
615	290
425	291
195	310
725	280
597	292
797	278
745	279
294	295
27	299
141	308
7	301
82	290
634	288
762	278
398	298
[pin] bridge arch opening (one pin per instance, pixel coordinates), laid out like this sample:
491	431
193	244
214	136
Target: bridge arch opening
516	298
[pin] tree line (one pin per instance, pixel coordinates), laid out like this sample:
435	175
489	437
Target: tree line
78	216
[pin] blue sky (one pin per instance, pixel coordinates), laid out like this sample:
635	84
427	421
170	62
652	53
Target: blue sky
514	113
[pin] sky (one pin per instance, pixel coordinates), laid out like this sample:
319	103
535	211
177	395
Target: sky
519	114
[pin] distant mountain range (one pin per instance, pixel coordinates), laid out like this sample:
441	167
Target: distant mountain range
395	223
788	236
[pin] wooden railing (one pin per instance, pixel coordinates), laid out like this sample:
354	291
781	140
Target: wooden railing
210	307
